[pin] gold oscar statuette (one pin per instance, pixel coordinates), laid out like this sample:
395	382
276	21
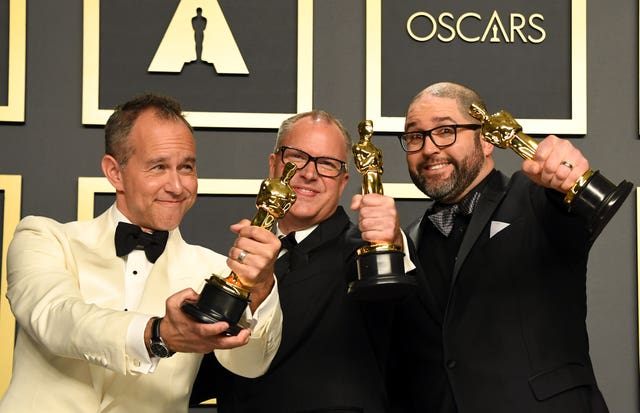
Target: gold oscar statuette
380	264
592	196
225	299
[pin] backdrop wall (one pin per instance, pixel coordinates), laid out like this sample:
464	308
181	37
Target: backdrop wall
52	148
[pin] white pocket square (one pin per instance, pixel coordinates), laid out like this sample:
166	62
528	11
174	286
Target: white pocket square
497	226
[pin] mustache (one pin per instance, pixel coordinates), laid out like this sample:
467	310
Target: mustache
437	159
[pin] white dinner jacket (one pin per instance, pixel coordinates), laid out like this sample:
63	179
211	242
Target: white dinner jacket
64	283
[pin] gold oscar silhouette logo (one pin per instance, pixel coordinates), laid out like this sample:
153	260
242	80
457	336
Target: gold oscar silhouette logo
198	32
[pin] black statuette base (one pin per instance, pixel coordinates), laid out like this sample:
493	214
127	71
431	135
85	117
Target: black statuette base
381	276
218	304
599	200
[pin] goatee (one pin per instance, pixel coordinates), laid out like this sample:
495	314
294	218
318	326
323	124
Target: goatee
448	190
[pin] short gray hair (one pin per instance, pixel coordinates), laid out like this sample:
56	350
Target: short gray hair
315	115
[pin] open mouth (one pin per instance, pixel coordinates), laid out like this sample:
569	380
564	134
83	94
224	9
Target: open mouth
436	166
304	191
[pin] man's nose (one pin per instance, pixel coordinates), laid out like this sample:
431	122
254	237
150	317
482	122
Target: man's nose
429	147
174	183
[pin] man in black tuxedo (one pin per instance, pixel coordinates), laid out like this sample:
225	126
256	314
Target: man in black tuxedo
333	350
499	325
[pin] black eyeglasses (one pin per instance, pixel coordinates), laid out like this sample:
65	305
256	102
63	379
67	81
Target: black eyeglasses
325	166
441	136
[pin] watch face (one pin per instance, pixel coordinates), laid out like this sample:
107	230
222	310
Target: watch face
159	349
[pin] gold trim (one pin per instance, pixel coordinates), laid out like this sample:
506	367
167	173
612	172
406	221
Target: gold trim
89	186
14	110
638	253
578	186
92	114
577	124
11	185
375	248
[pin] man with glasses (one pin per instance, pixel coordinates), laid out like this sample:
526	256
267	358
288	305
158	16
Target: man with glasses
499	324
333	347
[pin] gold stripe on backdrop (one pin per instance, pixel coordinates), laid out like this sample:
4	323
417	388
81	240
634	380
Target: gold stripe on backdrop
11	185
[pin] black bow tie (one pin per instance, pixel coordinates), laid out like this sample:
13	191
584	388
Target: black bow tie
444	216
289	241
129	237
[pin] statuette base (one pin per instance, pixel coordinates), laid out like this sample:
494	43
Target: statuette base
381	275
218	303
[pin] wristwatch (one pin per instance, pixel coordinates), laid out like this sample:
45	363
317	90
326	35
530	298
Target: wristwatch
156	345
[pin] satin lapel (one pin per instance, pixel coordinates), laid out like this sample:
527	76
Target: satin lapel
99	270
489	201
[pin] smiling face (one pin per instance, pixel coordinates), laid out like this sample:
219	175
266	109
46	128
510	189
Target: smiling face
317	196
158	184
446	174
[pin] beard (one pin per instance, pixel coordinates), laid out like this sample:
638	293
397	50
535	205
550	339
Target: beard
464	173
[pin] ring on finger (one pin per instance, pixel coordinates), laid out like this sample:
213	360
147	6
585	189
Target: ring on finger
567	164
242	256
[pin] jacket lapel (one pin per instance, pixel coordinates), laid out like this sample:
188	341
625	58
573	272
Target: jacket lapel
425	292
327	231
489	201
98	268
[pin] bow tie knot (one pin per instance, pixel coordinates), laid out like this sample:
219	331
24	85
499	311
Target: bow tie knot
444	216
288	242
129	237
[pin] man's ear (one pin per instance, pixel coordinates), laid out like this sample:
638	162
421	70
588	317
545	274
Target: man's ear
111	170
273	159
487	147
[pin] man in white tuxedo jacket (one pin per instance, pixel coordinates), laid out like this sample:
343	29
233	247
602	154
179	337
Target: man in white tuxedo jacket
87	311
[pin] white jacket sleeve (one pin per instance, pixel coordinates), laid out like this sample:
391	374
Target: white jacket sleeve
45	297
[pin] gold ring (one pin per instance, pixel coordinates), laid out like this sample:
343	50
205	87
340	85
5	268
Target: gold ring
242	256
567	164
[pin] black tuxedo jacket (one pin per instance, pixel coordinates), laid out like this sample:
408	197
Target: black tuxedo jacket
331	356
512	337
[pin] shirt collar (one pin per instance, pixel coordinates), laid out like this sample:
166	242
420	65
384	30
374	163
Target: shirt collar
300	234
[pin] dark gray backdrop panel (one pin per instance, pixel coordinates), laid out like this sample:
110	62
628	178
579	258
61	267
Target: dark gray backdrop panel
266	34
517	76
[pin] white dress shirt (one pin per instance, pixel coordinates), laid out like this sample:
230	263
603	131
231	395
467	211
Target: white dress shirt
137	270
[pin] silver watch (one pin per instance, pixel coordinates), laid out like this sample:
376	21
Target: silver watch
156	345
